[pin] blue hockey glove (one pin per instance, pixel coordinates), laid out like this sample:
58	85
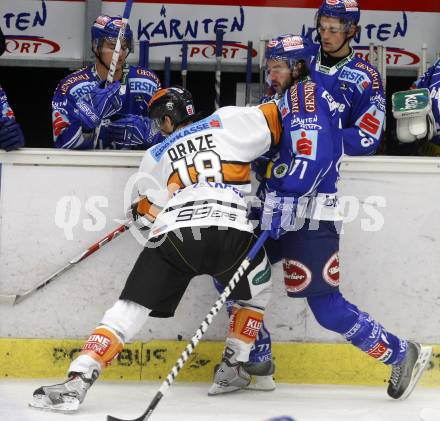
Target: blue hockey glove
101	102
130	131
11	135
278	214
259	166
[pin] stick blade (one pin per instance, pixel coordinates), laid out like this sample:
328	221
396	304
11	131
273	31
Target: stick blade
8	300
112	418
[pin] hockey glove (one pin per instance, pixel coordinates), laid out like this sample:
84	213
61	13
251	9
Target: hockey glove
101	102
135	213
11	135
130	131
278	214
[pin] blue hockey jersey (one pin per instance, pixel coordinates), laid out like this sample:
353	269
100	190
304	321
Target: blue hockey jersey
5	109
431	81
310	151
357	87
139	83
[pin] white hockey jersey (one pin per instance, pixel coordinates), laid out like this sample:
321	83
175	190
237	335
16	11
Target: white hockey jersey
199	174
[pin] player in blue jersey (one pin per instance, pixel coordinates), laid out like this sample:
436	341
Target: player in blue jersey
301	210
11	135
354	83
83	106
431	81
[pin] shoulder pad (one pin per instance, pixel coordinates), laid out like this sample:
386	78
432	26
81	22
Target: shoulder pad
82	75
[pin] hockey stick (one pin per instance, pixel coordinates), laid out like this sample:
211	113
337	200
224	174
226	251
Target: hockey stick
184	65
247	96
261	52
15	299
218	66
167	72
200	331
115	56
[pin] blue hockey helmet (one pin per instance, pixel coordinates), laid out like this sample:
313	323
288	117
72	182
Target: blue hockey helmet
291	49
107	28
346	10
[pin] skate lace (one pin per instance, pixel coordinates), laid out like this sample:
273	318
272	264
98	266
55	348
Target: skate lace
395	374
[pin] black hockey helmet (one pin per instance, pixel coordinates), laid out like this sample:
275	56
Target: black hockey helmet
175	102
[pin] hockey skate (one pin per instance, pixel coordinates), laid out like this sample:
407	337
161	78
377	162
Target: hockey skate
64	397
262	375
230	376
404	376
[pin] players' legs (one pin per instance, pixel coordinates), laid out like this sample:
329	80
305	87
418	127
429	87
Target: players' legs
408	358
246	317
333	312
260	365
153	284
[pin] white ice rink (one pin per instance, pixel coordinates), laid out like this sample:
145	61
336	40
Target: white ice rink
189	402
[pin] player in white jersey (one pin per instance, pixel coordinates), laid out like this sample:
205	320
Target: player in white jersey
194	179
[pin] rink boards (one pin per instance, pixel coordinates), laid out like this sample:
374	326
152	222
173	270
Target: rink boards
55	203
302	363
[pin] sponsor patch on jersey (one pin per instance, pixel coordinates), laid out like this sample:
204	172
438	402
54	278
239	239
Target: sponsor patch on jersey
330	273
78	91
309	97
209	123
262	276
139	85
251	327
305	143
297	276
59	123
333	105
360	79
371	122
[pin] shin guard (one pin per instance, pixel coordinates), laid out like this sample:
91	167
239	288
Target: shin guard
245	323
103	345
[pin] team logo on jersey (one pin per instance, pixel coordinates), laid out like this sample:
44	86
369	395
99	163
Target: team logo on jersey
305	143
297	276
371	122
280	170
330	273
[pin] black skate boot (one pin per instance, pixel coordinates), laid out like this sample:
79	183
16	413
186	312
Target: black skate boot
404	376
262	374
230	376
64	397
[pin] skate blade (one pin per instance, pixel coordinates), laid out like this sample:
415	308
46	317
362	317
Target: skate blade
420	366
41	402
262	383
217	389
